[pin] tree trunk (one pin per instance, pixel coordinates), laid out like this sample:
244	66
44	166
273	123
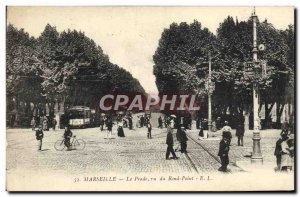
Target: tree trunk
279	110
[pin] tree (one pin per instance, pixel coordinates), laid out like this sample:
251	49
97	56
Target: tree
235	42
22	73
179	58
65	67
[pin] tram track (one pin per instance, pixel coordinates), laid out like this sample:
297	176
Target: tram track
215	157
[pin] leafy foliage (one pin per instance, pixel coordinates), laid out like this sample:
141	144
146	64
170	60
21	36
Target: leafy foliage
184	49
65	67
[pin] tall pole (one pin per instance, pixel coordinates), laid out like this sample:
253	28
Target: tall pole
256	154
209	93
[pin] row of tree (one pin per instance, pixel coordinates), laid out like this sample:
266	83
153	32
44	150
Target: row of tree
181	64
66	67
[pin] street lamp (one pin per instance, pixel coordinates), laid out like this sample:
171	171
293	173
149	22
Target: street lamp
256	154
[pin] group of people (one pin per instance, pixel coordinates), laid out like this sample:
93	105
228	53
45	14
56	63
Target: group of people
143	121
44	122
284	151
180	136
39	134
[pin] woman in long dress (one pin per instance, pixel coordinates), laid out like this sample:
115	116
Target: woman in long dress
121	131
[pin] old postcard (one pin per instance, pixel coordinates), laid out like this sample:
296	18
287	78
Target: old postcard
150	98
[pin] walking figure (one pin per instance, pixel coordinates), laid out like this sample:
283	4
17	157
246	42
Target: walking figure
130	123
184	139
101	123
109	125
39	136
67	137
223	153
54	123
149	126
121	131
287	154
278	149
170	143
240	134
160	122
33	124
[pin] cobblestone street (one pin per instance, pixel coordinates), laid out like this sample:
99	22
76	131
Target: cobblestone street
134	153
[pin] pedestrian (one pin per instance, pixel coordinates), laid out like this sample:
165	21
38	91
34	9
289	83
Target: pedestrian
160	122
121	131
198	122
130	122
149	126
287	154
54	123
45	124
223	153
226	130
178	137
184	139
285	126
101	123
67	137
33	124
172	121
201	126
170	142
278	149
240	133
109	125
142	121
39	136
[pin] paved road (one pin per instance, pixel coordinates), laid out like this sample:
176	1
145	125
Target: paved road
132	154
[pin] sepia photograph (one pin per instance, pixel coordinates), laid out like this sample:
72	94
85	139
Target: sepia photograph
150	99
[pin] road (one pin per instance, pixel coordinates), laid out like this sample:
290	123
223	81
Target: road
134	153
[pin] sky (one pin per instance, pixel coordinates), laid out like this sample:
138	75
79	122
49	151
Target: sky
130	35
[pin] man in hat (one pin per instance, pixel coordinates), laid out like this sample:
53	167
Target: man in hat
223	153
149	127
170	143
184	139
67	137
39	136
54	123
160	122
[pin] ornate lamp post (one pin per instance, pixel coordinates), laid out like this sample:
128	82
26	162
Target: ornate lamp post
209	122
256	154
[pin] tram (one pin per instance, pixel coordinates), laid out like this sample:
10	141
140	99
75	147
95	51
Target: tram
79	117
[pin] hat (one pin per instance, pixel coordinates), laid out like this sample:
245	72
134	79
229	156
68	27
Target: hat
173	116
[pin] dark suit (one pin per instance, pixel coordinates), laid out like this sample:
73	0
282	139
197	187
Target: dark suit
240	133
223	153
170	143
